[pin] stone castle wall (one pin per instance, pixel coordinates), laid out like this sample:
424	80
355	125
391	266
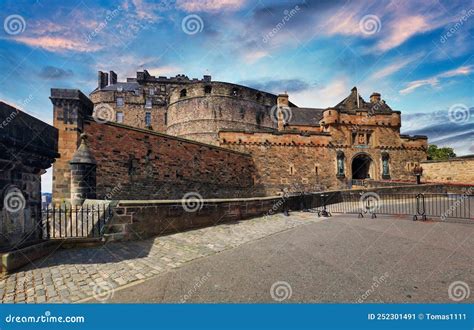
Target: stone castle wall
199	110
457	170
27	148
139	164
308	162
134	110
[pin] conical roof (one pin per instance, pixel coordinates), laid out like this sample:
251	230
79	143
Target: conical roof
83	154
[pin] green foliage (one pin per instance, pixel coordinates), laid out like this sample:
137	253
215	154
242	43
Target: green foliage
435	153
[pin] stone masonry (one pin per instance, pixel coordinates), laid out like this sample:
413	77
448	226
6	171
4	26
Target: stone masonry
278	145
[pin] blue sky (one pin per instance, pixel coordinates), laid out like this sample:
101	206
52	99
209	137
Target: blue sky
417	54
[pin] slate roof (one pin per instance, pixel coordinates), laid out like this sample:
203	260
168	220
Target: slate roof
355	101
306	116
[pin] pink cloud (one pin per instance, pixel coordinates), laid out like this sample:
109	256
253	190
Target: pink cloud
434	81
403	29
209	5
58	44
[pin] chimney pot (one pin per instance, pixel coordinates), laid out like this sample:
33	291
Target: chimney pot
283	100
375	97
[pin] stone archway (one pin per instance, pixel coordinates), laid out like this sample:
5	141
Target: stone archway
362	167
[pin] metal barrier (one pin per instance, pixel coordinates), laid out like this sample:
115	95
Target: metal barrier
420	207
75	222
458	206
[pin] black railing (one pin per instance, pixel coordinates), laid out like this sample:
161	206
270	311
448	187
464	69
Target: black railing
358	182
419	206
63	221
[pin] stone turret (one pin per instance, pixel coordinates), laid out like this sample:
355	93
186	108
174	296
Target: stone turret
83	174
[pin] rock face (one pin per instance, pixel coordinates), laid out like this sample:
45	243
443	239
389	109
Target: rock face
27	148
246	142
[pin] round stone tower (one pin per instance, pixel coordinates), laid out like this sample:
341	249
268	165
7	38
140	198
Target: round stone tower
83	174
198	111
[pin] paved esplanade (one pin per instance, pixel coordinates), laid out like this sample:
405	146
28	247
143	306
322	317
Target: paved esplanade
300	258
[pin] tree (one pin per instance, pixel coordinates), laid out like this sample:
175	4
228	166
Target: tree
435	153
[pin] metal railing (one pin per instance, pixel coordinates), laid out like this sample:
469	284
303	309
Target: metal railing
419	206
88	221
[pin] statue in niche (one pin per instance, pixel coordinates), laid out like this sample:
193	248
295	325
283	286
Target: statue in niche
361	139
340	163
385	166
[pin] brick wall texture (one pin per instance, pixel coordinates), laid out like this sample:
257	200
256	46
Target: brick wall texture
140	164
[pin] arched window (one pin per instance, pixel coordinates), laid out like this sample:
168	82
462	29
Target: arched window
235	91
183	93
207	89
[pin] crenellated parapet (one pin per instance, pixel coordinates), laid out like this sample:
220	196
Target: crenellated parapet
200	110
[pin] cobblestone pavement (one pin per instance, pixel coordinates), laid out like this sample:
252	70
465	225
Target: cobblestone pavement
72	275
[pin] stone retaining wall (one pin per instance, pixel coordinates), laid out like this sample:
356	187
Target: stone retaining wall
134	219
456	170
141	219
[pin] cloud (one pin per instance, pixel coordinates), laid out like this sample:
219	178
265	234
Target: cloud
255	55
145	10
403	29
52	72
394	67
87	29
322	96
58	44
128	65
209	5
441	129
167	70
277	86
393	23
435	80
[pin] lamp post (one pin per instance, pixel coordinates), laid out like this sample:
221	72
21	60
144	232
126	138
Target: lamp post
418	172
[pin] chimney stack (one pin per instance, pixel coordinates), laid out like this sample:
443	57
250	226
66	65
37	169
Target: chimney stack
113	78
103	79
375	97
282	100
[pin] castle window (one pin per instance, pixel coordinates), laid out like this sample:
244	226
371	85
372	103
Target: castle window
235	91
292	170
316	170
148	119
207	89
120	102
182	93
166	118
132	165
163	88
151	91
148	103
119	117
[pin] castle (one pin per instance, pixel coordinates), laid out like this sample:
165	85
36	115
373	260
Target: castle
159	137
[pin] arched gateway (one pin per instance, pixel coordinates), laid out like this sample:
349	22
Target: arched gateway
362	167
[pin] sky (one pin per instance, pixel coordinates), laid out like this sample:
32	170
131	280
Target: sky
417	54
